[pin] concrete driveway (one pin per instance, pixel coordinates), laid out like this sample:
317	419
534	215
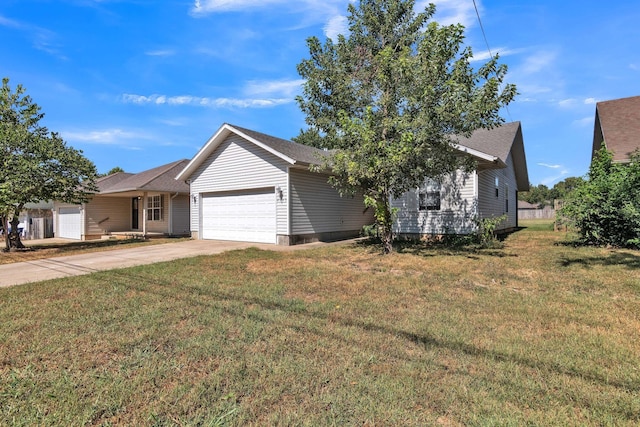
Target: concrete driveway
75	265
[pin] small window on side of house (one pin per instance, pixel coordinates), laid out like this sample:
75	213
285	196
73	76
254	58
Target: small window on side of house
506	197
497	187
429	196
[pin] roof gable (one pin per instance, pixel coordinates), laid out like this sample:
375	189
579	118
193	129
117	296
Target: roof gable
617	126
290	152
500	142
161	179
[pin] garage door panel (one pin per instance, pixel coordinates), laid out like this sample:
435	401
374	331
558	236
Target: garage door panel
243	216
69	224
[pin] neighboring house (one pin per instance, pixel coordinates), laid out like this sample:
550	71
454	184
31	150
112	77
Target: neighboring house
453	205
617	127
147	203
37	220
248	186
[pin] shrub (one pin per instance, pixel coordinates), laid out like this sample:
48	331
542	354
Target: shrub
486	230
605	209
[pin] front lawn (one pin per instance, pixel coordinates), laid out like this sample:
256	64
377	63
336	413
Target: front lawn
536	333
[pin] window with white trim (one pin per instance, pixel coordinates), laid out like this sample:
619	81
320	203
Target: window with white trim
154	207
429	196
506	197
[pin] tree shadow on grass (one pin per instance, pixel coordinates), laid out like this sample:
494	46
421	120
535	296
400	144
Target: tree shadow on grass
625	259
199	295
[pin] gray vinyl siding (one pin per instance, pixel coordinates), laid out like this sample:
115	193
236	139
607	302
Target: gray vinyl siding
180	215
103	215
491	206
458	208
239	165
316	207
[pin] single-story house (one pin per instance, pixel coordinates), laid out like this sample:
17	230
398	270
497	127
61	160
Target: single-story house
148	203
453	205
617	127
249	186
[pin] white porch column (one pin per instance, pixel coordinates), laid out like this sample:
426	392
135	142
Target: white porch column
144	213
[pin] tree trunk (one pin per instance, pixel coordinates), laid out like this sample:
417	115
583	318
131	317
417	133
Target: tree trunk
14	235
386	222
5	233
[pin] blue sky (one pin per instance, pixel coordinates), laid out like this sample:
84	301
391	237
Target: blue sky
140	83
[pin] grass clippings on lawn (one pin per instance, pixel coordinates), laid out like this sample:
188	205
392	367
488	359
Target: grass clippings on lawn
532	334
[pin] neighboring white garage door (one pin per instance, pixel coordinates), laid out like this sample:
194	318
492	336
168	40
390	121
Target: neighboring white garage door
246	216
69	223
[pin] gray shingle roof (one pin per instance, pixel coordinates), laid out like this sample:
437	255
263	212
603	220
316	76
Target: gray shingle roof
161	179
108	181
500	142
298	152
617	125
496	142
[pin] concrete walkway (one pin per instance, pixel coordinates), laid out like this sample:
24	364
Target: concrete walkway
75	265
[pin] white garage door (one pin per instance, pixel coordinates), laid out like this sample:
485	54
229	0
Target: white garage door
246	216
69	223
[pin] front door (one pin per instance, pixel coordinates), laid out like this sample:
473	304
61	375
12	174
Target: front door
135	203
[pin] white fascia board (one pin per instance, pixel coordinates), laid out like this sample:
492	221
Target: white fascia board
479	154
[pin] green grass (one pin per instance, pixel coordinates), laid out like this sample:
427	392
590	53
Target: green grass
536	333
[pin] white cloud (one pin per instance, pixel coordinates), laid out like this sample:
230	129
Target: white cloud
166	52
10	23
634	67
278	88
550	180
547	165
204	101
452	11
591	101
538	62
584	122
502	51
336	25
567	103
41	38
105	137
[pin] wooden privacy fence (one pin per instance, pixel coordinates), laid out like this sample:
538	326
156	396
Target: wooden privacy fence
547	213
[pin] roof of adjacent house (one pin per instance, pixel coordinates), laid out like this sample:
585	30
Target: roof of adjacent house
160	179
617	126
490	146
500	142
523	204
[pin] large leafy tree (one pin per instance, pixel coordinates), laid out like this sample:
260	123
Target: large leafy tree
605	208
388	99
35	164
